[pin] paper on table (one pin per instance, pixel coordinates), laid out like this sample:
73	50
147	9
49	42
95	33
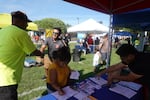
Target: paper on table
100	81
95	85
130	85
84	96
68	93
74	75
86	87
123	91
81	95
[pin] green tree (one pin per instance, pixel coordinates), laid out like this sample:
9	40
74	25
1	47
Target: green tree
50	23
68	25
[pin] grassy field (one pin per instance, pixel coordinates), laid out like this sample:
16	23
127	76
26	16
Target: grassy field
33	87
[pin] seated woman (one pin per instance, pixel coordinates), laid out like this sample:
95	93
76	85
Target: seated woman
59	71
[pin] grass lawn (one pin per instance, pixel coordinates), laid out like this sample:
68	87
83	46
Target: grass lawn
32	86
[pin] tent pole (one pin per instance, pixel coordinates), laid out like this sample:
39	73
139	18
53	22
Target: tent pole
109	41
142	40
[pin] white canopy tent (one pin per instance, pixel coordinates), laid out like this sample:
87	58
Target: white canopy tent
89	25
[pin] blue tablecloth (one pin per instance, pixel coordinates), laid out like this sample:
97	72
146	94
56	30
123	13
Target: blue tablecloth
47	97
102	94
105	94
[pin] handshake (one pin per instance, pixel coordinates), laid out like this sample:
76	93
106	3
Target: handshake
42	55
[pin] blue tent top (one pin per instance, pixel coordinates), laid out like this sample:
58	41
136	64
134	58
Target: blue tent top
139	20
123	33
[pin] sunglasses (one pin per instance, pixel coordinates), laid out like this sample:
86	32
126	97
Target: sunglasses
55	33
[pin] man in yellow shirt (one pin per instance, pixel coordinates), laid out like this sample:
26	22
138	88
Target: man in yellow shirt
15	44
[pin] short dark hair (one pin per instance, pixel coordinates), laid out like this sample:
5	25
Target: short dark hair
126	49
63	54
59	29
20	15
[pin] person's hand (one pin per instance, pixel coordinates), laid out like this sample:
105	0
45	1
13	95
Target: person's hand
98	75
110	79
42	55
61	92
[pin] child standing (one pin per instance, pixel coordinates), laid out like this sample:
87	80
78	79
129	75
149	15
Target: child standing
96	59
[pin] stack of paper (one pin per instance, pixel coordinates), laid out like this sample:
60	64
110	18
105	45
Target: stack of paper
81	96
86	87
100	81
74	75
130	85
123	91
68	93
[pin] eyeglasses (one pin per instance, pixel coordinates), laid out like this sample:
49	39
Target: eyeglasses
55	33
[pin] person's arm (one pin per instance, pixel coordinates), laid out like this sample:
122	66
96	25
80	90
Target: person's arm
129	77
101	43
37	53
112	68
45	44
54	83
43	47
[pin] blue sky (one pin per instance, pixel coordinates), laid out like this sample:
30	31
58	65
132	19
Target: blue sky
39	9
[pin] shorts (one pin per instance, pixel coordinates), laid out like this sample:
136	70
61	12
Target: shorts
104	56
9	92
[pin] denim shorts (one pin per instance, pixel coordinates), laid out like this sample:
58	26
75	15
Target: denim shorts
104	56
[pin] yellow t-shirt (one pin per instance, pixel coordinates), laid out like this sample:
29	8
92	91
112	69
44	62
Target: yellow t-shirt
15	43
62	74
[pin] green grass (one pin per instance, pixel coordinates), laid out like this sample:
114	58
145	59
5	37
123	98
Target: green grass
32	86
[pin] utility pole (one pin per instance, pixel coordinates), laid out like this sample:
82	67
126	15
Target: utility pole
77	20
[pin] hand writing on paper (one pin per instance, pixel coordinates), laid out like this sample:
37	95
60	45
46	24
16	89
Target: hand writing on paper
98	76
61	92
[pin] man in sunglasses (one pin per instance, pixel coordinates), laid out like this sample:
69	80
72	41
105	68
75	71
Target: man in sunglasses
52	43
15	44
